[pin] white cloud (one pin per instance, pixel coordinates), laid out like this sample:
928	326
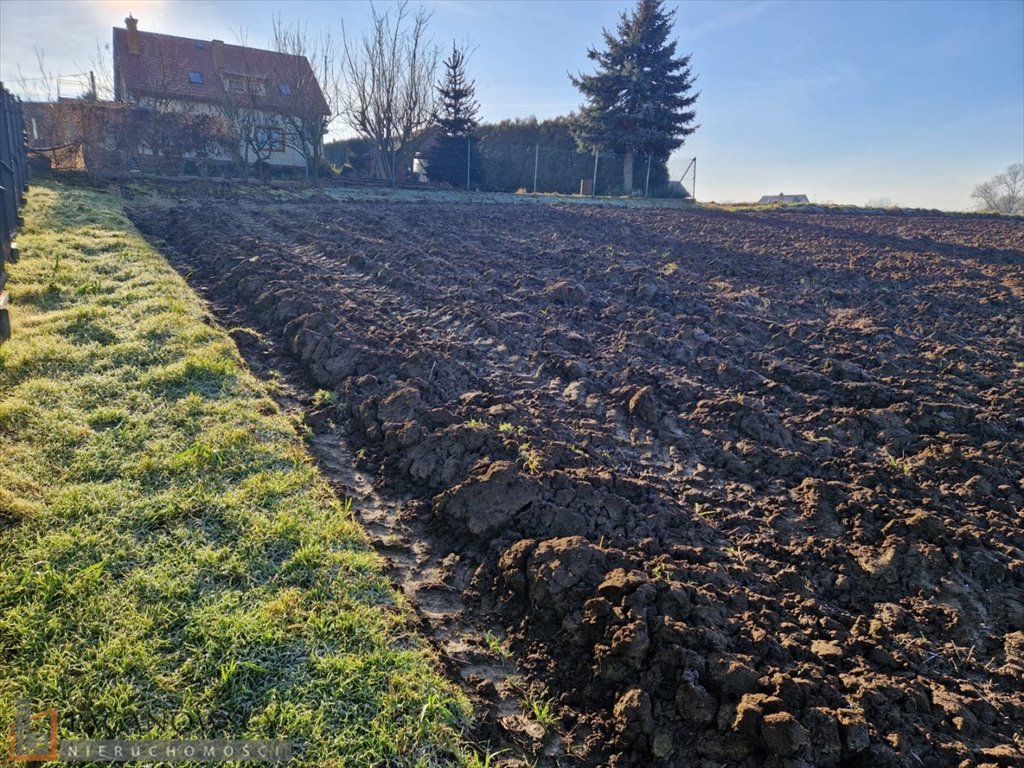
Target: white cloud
739	14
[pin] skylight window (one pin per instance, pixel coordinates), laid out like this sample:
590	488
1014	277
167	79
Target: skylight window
195	77
284	89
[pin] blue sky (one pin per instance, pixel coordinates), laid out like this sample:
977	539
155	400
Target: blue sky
847	102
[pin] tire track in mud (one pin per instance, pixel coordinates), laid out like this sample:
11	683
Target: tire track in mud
743	489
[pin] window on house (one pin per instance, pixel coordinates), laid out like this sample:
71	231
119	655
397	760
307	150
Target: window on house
271	139
201	44
195	77
284	89
245	85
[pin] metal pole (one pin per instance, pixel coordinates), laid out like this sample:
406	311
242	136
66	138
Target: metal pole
647	184
536	159
467	163
593	188
682	178
394	167
693	192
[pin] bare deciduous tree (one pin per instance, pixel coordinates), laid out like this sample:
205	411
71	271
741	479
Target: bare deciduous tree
881	202
389	75
244	107
74	126
101	66
47	79
1003	193
161	132
162	128
307	123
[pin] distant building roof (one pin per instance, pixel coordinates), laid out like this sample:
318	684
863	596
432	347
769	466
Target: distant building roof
152	64
781	198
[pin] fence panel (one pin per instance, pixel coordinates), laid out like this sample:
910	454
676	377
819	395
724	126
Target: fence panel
13	185
489	163
506	166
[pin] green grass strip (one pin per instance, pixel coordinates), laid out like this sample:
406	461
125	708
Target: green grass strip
171	563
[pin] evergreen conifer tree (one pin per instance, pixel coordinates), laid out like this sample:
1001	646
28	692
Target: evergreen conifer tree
456	121
640	100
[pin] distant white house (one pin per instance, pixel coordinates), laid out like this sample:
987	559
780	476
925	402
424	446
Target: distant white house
781	198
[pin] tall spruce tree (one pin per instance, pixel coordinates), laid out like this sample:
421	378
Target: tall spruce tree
456	122
640	100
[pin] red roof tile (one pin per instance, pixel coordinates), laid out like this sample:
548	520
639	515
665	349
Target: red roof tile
164	64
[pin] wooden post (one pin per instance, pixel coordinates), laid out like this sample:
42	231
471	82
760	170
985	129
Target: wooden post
536	159
593	189
5	318
647	183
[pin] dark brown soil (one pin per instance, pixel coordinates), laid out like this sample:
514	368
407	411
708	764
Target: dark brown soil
744	489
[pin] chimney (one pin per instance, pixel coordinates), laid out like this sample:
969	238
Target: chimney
218	54
133	34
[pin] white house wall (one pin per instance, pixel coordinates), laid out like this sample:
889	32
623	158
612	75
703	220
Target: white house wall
291	157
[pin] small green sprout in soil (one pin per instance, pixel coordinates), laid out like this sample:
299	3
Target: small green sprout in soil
323	398
542	710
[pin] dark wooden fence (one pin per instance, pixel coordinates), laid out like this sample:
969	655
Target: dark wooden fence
13	186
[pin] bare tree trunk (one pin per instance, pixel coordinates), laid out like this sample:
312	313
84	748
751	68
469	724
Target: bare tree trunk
380	163
627	173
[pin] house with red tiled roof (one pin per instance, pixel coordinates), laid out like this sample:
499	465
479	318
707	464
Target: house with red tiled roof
270	101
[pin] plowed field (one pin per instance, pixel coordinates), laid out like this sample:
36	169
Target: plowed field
743	488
